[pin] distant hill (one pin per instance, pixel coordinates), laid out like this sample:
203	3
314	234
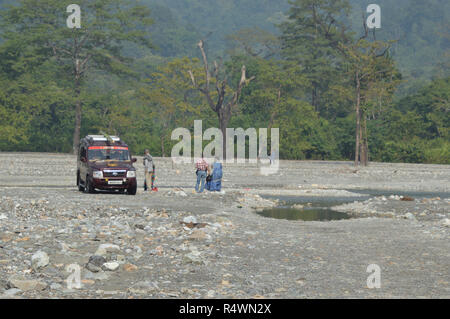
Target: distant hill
419	26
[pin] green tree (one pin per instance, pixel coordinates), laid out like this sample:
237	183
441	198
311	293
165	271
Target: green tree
165	98
374	80
35	31
310	38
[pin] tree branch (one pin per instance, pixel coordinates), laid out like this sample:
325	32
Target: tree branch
205	63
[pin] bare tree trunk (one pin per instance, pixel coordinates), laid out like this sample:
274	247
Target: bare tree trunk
223	123
80	65
162	146
223	110
76	133
362	153
223	127
272	118
358	117
224	116
365	144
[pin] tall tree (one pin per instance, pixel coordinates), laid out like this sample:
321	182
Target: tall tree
220	102
164	98
310	38
37	28
374	79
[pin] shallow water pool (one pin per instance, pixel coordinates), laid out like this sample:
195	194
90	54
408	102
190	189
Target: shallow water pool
307	214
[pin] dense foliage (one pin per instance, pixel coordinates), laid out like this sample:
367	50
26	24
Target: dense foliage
304	75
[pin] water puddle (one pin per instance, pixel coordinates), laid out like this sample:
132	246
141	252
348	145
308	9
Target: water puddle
308	214
317	208
308	208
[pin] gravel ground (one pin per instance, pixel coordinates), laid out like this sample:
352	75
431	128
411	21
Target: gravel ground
177	244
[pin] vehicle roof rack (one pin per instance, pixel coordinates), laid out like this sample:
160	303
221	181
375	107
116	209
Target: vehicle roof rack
102	138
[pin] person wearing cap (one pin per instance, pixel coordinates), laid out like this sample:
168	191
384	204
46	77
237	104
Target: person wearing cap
201	171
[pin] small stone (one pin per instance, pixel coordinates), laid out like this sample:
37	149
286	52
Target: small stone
55	286
409	216
110	266
130	267
190	219
26	284
446	222
199	235
137	252
216	225
193	258
144	287
39	260
103	249
11	292
96	275
120	259
95	263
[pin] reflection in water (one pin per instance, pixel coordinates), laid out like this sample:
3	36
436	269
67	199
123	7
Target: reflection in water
306	215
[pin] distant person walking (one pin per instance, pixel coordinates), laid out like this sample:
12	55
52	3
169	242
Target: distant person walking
202	168
149	170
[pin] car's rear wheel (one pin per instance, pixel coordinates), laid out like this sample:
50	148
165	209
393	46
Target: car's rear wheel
80	187
132	190
88	186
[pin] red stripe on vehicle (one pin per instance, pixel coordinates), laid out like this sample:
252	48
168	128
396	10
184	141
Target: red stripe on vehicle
108	148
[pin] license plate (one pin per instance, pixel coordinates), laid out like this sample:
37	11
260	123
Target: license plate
114	182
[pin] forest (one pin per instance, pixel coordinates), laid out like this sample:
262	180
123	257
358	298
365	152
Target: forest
141	68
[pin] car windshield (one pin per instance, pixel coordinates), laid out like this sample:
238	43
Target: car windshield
104	153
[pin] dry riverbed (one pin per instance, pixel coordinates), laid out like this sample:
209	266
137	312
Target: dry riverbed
177	244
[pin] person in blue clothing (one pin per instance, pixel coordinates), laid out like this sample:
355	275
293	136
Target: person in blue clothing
216	177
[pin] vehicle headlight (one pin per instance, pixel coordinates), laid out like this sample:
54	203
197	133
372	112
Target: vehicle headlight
97	174
131	174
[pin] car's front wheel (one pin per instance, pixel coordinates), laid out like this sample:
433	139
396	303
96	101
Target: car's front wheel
88	188
132	190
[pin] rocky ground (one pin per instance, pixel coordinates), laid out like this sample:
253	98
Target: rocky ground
177	244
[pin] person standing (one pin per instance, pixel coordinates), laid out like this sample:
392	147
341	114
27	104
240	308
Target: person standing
216	180
149	170
202	168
